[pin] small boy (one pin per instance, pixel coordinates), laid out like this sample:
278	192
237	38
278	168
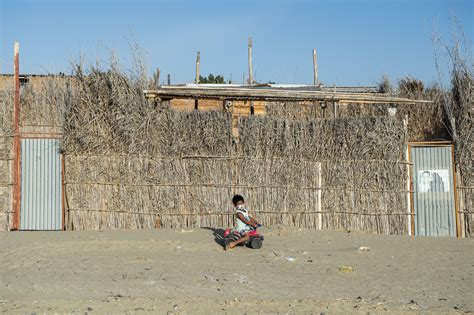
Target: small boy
245	223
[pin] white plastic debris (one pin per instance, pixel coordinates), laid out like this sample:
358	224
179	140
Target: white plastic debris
243	279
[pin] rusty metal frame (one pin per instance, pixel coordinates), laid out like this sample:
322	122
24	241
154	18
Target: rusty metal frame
455	192
456	199
16	195
430	143
17	136
40	135
63	194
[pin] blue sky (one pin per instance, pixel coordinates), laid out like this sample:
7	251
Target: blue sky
357	41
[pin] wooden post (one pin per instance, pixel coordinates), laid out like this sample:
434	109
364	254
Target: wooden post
461	206
156	78
315	67
453	129
16	139
196	104
455	191
250	61
320	214
169	79
335	103
456	200
198	62
408	179
252	109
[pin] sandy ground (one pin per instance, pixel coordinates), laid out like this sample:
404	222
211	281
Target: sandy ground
187	272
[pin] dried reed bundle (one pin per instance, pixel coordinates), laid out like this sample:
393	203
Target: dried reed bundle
6	142
425	121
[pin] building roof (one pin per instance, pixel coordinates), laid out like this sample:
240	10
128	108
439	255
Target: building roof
276	93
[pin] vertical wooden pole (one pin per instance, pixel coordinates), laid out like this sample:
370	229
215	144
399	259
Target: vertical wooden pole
315	67
252	109
335	103
16	139
408	177
198	62
156	78
63	193
169	79
320	214
456	203
460	202
250	61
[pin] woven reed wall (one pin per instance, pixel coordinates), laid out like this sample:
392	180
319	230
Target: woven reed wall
6	105
191	177
425	121
132	164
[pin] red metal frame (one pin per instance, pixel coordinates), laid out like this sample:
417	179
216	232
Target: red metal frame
16	167
16	142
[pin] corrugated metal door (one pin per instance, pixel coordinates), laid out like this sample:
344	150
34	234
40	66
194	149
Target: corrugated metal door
433	186
40	205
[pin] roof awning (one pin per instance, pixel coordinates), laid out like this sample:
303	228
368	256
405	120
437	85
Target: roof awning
268	94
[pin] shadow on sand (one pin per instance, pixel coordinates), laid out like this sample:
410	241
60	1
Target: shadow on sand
218	235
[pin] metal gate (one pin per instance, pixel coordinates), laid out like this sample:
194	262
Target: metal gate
41	189
434	206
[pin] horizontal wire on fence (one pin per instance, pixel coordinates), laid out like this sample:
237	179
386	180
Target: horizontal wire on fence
189	185
235	186
237	157
233	213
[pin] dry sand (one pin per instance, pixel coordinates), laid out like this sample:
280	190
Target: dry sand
173	271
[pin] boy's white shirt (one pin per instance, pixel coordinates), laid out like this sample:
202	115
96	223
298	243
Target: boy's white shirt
241	225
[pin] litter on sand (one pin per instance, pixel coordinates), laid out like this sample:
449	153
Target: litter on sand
364	248
346	269
289	258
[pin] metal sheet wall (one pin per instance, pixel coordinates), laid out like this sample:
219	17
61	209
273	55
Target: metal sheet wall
40	205
433	199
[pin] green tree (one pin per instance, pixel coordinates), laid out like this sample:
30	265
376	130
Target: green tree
211	79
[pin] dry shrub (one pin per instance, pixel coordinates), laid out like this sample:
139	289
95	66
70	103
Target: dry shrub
109	114
385	86
411	88
44	105
458	110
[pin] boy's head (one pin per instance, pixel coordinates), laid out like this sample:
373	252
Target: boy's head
238	200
